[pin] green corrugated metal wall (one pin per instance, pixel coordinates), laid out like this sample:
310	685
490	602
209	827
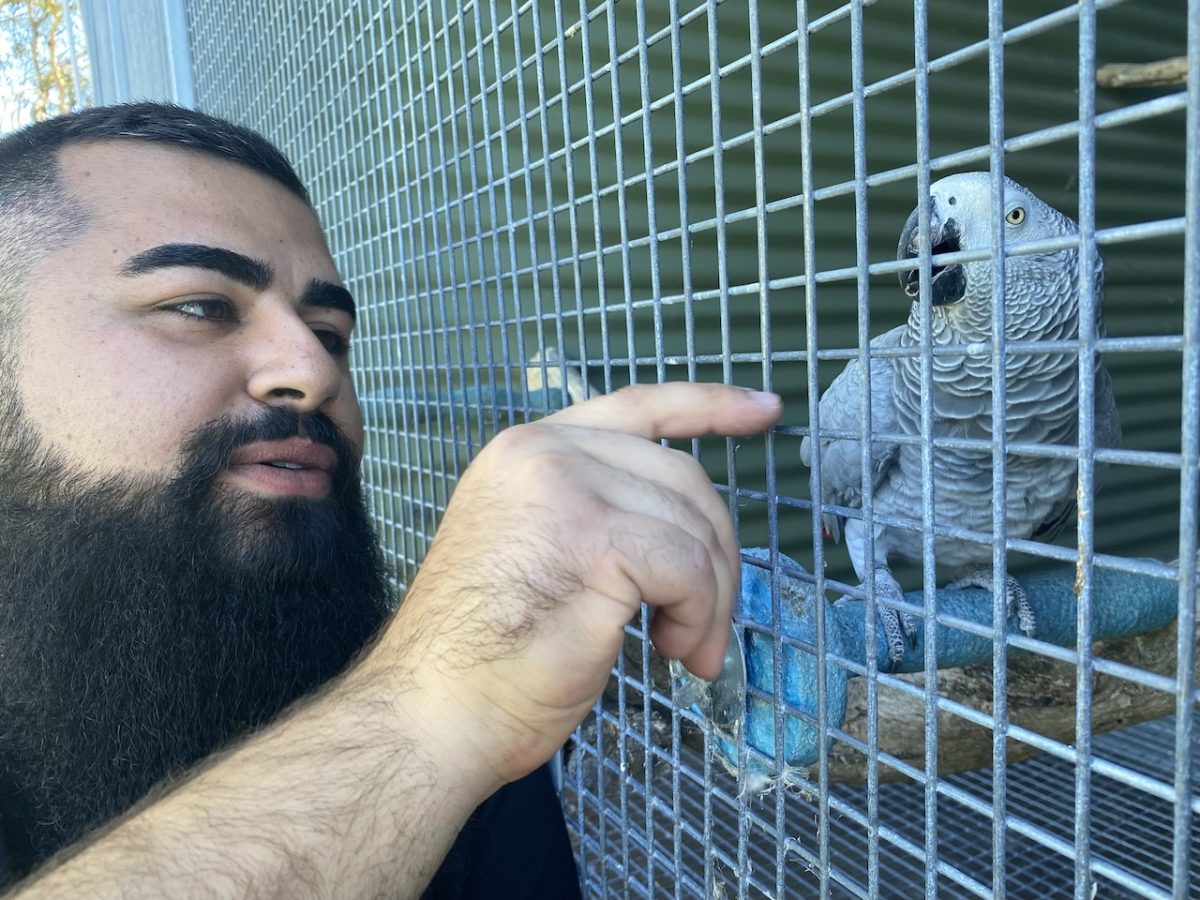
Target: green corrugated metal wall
409	264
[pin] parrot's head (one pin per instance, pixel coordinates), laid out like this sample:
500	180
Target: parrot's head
961	218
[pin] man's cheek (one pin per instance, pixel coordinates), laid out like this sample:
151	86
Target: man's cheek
350	420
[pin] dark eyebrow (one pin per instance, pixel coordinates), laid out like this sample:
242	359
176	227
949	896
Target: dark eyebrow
250	272
330	296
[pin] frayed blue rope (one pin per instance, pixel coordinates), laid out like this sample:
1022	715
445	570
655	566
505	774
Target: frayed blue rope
1123	604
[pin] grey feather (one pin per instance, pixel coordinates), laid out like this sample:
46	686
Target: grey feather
840	410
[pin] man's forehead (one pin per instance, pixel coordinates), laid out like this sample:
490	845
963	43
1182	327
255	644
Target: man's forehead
117	167
138	194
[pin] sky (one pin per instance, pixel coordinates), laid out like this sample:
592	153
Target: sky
14	113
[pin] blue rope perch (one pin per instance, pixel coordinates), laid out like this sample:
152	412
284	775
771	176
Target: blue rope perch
1123	604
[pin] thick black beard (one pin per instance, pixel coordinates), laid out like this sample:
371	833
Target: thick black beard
144	625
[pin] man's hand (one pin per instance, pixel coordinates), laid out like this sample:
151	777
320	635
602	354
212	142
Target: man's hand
556	534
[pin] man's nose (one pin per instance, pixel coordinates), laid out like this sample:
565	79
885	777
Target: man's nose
290	366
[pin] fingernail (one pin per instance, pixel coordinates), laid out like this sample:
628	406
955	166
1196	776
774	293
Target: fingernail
765	399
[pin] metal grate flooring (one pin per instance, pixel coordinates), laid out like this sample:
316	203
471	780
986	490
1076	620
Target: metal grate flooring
1131	830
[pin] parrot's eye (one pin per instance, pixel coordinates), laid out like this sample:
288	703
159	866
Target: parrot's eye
1015	216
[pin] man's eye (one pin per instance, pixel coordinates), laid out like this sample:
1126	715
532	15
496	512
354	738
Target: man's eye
208	310
332	341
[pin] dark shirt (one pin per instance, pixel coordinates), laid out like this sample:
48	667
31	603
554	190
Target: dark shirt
515	845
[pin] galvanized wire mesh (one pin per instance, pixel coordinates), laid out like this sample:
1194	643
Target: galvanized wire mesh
713	190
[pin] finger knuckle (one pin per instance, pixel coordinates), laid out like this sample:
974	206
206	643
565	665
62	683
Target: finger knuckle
699	485
527	461
644	402
513	443
689	465
515	440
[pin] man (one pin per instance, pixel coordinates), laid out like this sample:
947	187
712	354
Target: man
184	552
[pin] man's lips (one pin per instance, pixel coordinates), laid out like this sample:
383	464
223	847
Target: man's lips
293	467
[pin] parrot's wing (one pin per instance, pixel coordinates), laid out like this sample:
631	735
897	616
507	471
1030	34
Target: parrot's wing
1108	434
1107	421
839	409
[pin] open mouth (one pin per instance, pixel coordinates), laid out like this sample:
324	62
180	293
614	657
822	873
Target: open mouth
948	282
293	467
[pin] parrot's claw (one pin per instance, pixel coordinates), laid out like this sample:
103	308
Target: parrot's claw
1017	598
899	628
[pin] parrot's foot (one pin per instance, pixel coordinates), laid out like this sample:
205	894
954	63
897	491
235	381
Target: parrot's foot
898	627
1018	599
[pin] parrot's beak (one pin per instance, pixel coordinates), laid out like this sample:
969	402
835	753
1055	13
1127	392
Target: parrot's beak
949	282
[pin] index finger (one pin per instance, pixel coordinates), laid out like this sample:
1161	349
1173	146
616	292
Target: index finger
676	410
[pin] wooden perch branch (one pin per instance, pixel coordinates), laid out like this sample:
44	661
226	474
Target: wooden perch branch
1041	697
1133	75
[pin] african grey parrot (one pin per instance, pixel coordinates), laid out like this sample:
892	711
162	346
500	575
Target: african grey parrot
1041	303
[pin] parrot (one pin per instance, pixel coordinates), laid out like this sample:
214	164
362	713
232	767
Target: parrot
1041	302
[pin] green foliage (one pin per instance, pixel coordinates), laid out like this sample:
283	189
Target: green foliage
41	51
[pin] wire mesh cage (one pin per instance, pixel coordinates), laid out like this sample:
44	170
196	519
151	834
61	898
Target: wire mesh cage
535	201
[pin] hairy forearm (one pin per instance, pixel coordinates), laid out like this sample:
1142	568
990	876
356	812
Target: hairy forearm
358	792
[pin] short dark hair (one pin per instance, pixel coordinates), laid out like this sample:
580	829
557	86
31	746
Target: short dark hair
36	211
23	154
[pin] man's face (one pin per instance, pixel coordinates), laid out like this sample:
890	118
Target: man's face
184	546
198	289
